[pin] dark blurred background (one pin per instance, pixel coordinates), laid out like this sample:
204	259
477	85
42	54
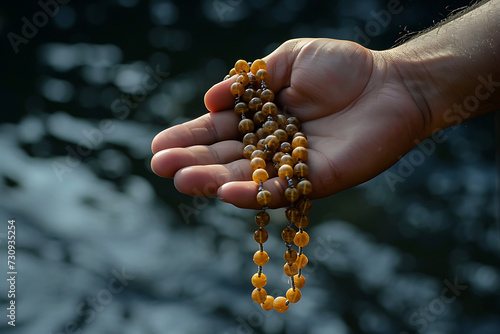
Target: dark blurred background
105	246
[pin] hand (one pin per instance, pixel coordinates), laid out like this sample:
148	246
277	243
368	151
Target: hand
354	107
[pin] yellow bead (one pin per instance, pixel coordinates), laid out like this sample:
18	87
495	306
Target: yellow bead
304	205
248	94
255	104
267	95
299	281
250	139
258	153
262	75
262	218
280	304
270	109
232	72
304	187
243	79
293	296
291	194
285	171
270	126
248	150
301	261
260	175
257	162
268	304
290	256
240	108
271	141
288	234
259	295
300	153
301	239
259	281
245	126
226	77
287	160
257	65
302	221
260	236
241	66
301	170
237	89
281	135
260	258
264	197
290	270
299	141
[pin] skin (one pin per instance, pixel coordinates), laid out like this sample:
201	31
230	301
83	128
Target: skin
362	110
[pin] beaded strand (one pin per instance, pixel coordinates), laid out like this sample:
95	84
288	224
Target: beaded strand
266	138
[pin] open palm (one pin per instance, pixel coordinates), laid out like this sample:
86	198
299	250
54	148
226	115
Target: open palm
358	116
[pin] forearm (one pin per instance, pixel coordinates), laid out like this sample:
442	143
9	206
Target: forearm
453	70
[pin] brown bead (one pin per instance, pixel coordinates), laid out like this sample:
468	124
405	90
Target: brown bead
245	126
262	218
299	141
248	94
285	171
291	129
286	147
237	89
248	150
299	281
302	221
304	187
280	304
250	139
293	296
255	104
258	92
253	80
301	170
287	160
301	261
301	134
241	66
281	119
232	71
226	77
258	153
277	157
292	194
260	258
292	214
257	162
267	95
257	65
290	270
259	295
290	256
288	234
260	175
293	120
262	75
260	144
301	239
270	126
262	133
259	281
259	118
240	108
281	135
300	153
268	304
243	79
304	205
270	109
272	142
264	197
260	236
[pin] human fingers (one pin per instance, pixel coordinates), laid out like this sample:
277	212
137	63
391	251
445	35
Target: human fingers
204	130
167	162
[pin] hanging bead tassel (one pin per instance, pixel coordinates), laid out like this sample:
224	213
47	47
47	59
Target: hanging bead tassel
269	136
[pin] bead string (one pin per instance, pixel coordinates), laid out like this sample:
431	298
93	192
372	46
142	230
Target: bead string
266	138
